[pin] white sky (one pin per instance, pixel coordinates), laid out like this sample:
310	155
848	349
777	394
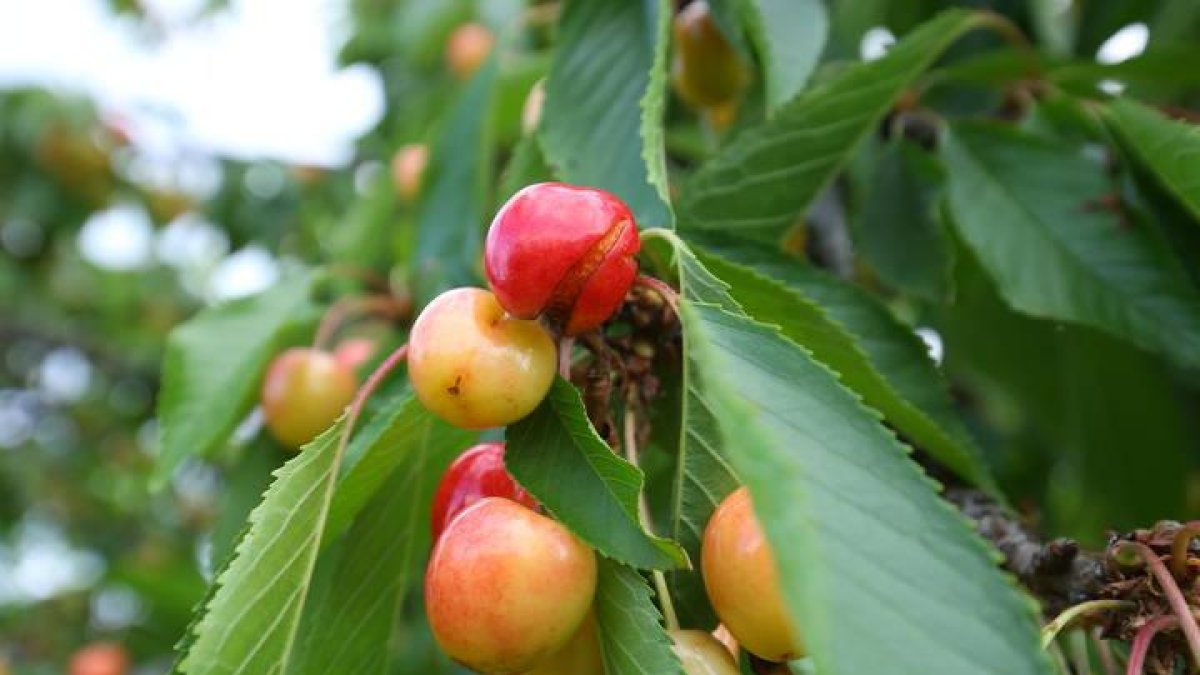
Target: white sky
256	81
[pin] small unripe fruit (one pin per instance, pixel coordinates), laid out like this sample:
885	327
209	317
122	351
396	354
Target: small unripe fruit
100	658
743	582
580	656
477	473
408	170
563	251
355	352
706	72
506	588
475	366
467	49
303	393
701	654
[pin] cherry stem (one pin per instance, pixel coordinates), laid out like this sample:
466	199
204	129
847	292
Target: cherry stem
1175	598
1141	643
345	308
669	295
364	392
1179	549
1107	661
631	454
565	346
1069	615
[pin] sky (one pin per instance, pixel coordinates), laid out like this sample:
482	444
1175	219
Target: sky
256	81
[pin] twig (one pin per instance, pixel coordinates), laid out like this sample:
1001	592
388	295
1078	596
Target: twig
565	346
1175	598
1179	549
631	454
364	392
1107	660
1142	641
1075	612
344	308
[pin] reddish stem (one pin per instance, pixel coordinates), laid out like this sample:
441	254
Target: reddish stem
1175	598
364	392
1179	549
669	295
1141	642
345	308
565	346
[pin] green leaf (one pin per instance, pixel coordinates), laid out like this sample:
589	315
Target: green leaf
348	627
250	623
243	487
790	36
763	180
654	105
214	363
607	69
632	638
450	219
875	355
557	455
526	167
897	230
402	430
703	478
868	554
1171	150
363	237
1031	211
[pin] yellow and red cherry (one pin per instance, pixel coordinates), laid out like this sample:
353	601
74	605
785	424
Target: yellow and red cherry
506	588
475	366
303	393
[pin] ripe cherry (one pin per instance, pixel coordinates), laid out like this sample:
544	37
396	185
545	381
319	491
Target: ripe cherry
467	49
100	658
743	582
702	654
475	366
580	656
563	251
303	393
477	473
707	72
408	170
506	588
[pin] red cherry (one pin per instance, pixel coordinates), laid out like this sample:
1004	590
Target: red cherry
477	473
563	251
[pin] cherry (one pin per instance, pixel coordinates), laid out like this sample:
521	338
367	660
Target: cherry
408	170
563	251
580	656
475	366
477	473
303	393
706	72
743	582
506	588
467	49
99	658
702	654
354	352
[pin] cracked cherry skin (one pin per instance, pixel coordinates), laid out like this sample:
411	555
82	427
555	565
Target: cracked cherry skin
506	588
476	367
701	653
743	582
563	251
477	473
303	393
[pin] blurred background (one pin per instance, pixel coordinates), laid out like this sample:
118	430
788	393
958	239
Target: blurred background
160	155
